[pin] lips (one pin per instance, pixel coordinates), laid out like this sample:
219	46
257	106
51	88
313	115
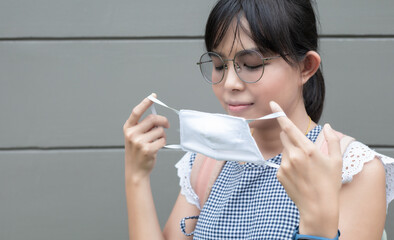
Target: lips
238	107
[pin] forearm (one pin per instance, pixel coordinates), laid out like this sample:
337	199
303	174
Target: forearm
143	221
143	139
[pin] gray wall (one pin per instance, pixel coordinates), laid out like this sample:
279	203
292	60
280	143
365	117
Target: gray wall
71	71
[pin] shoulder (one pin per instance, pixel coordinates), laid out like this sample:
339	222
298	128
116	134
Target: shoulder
197	164
363	201
195	174
358	158
365	168
361	163
184	170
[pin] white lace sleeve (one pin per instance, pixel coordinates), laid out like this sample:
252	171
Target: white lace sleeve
184	170
356	155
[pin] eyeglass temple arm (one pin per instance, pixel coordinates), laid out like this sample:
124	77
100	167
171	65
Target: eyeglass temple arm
224	60
199	63
269	58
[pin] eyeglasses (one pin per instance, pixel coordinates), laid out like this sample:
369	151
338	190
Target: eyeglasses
248	64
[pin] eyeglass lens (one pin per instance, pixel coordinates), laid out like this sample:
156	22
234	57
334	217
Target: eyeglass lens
249	66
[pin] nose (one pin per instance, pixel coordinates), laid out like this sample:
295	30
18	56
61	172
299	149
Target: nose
231	80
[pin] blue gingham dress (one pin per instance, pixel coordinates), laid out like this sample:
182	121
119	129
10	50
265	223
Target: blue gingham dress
248	202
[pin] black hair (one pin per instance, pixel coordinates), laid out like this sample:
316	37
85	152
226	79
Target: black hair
284	27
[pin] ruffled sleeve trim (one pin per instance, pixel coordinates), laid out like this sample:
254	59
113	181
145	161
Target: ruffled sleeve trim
184	169
354	158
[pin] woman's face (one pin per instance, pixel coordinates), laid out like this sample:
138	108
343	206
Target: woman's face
280	82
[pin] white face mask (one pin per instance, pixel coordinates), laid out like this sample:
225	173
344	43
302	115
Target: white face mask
218	136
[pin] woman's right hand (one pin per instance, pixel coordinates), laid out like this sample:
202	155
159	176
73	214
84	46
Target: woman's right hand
143	139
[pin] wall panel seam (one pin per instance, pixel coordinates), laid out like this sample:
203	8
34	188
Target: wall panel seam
61	148
103	38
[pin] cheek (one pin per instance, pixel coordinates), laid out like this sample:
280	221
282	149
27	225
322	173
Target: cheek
286	76
279	86
271	86
218	91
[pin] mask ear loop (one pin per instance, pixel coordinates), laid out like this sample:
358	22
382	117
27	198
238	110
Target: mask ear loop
155	100
153	110
268	163
270	116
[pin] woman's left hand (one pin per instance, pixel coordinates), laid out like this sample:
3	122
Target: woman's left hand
311	179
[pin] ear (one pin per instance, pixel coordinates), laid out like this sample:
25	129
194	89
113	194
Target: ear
309	65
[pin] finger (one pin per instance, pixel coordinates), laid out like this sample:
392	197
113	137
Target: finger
287	145
291	154
276	108
333	142
294	134
158	144
284	122
138	111
153	135
286	142
150	122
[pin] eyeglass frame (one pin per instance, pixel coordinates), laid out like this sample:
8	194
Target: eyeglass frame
234	64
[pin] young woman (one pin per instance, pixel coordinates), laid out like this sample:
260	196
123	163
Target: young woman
262	58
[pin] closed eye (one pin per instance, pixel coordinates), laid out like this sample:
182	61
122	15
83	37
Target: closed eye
253	67
219	68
